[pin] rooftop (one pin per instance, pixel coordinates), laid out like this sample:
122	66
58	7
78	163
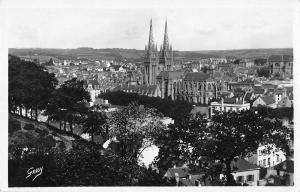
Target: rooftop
197	76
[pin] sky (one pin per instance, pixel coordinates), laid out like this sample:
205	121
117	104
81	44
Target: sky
190	28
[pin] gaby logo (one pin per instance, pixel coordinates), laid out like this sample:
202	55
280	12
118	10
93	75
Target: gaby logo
34	172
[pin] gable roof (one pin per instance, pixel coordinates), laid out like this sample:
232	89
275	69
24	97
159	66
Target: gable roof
268	99
250	81
244	165
230	100
287	165
248	96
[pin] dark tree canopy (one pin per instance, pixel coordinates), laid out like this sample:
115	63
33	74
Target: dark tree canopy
177	110
30	85
69	103
226	137
264	72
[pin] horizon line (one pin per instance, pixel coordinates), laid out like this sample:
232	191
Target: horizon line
143	49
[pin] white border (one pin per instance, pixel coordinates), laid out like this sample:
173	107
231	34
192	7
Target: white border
5	5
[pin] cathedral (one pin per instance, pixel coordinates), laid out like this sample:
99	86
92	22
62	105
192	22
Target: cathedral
159	71
156	61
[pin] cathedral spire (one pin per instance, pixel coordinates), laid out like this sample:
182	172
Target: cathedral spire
166	39
151	41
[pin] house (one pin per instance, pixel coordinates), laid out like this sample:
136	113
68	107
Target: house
265	100
247	83
93	87
186	176
228	104
224	94
259	91
148	90
286	102
245	172
269	156
279	175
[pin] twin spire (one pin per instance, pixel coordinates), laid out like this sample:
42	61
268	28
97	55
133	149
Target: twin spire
166	38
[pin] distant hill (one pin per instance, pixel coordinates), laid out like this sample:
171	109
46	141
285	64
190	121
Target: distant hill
249	52
137	55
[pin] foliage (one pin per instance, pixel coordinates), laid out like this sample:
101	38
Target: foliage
132	126
29	127
284	112
81	166
260	61
95	121
177	110
30	85
263	72
69	103
13	126
228	136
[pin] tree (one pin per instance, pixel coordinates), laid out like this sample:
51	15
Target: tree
263	72
69	103
134	126
228	136
95	121
177	110
82	165
237	61
204	69
173	142
30	86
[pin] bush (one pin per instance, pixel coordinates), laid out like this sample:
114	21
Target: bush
29	127
42	132
13	126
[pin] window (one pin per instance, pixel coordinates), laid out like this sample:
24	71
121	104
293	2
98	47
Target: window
250	177
240	179
264	162
277	158
269	161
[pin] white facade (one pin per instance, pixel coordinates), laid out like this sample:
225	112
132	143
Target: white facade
250	177
225	107
269	158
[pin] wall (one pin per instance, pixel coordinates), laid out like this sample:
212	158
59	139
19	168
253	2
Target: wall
273	153
255	173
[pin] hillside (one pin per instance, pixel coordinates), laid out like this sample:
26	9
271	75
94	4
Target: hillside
137	55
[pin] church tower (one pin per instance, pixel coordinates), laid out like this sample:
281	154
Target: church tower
150	60
166	61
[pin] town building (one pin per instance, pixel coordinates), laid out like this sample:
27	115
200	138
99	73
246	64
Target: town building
269	156
245	172
228	104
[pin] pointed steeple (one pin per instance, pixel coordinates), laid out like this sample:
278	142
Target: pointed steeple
151	40
166	39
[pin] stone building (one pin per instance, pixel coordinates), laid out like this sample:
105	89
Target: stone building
196	87
281	64
154	61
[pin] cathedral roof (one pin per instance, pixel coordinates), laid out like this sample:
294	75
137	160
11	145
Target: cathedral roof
170	74
196	76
